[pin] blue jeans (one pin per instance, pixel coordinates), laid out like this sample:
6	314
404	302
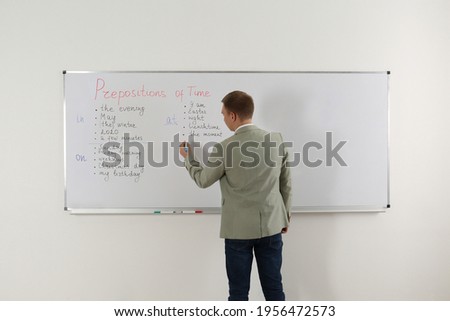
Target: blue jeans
239	258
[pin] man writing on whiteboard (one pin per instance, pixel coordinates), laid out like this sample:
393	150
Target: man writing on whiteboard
256	195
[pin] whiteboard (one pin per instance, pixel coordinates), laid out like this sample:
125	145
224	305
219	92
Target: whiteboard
336	123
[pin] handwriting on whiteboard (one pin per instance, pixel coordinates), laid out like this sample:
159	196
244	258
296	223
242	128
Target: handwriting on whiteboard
124	113
105	92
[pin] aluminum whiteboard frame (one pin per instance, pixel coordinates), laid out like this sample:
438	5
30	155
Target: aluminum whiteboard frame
216	210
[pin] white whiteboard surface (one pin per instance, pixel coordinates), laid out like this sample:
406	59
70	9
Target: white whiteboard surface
348	112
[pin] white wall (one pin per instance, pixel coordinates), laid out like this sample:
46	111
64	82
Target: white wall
46	253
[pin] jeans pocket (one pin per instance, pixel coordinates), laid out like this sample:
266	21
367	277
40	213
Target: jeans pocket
237	245
276	242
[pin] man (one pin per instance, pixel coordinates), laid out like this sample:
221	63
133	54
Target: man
256	191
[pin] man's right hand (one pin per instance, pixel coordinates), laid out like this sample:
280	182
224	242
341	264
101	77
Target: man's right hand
184	149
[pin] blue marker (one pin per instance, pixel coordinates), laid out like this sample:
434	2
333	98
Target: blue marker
186	148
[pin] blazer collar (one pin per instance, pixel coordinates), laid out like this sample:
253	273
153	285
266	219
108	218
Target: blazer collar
245	129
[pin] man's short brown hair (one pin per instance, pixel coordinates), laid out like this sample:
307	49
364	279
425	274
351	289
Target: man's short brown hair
240	103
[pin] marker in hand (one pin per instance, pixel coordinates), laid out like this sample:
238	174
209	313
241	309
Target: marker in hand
184	152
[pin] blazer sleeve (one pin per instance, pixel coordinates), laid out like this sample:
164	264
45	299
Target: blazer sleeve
207	174
285	179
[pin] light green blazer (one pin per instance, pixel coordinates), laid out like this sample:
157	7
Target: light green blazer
254	180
